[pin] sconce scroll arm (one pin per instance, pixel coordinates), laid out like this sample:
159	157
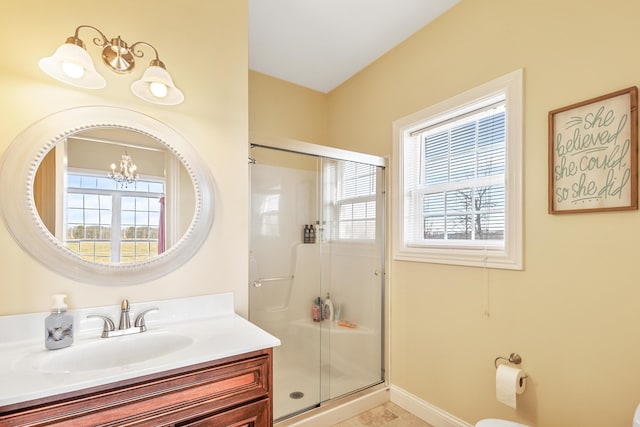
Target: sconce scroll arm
139	53
96	40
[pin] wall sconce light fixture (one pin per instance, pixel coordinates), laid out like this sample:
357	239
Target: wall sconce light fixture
72	64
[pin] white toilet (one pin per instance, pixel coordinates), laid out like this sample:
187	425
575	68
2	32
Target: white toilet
636	417
494	422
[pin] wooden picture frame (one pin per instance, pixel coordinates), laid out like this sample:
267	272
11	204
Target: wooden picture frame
593	154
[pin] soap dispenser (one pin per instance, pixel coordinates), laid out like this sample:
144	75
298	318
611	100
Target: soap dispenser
58	326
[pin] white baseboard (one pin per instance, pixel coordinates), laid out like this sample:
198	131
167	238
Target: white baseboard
424	410
335	413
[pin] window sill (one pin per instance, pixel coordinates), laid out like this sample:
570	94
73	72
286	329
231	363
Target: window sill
477	257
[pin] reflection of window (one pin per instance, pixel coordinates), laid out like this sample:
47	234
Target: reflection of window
269	213
107	224
353	195
459	177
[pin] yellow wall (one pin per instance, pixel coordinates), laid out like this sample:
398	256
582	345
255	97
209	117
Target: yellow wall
573	313
204	46
279	109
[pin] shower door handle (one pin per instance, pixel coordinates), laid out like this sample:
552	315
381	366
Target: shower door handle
258	283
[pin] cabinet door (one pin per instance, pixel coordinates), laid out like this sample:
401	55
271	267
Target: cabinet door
255	414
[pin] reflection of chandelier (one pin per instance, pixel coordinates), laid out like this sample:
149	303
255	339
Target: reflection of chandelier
128	172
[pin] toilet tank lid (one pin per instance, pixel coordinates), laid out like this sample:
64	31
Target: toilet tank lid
494	422
636	417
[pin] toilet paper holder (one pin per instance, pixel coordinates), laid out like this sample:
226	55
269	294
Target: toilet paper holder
510	381
514	358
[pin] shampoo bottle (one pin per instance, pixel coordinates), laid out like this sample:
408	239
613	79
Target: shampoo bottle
312	234
337	313
327	309
58	326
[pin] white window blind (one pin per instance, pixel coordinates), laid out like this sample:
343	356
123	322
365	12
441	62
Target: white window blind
459	188
352	196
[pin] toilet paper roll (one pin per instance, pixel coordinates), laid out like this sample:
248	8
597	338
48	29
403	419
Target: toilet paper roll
509	383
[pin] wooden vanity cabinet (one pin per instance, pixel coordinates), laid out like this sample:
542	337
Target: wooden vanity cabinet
235	391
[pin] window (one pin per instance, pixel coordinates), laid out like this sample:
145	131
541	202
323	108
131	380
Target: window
351	199
95	208
459	179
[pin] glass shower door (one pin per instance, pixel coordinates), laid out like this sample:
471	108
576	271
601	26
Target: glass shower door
352	249
285	273
292	274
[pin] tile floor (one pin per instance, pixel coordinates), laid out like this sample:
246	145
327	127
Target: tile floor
386	415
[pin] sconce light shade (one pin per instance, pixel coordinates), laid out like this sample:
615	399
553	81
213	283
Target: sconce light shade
72	64
156	86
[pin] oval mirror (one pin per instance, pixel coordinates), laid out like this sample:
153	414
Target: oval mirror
111	196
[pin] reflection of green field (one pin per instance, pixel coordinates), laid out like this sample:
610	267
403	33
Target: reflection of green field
100	251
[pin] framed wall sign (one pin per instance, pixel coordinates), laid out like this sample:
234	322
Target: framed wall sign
593	147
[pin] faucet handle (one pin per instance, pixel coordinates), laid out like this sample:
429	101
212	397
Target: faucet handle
140	323
108	324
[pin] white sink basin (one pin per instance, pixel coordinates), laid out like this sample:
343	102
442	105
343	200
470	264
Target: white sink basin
107	353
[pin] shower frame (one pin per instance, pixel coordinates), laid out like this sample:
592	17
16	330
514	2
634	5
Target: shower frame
319	151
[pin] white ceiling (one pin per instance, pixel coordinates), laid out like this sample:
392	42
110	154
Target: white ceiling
321	43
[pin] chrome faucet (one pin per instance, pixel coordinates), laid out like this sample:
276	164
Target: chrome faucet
124	327
125	320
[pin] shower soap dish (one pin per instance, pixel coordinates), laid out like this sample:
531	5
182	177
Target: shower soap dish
347	324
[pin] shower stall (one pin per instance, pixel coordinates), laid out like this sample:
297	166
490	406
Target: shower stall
317	234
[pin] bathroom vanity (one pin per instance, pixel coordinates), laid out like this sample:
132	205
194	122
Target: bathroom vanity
234	391
218	372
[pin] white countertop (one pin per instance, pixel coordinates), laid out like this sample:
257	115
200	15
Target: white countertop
207	325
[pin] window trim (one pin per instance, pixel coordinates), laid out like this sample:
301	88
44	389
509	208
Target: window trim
455	253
